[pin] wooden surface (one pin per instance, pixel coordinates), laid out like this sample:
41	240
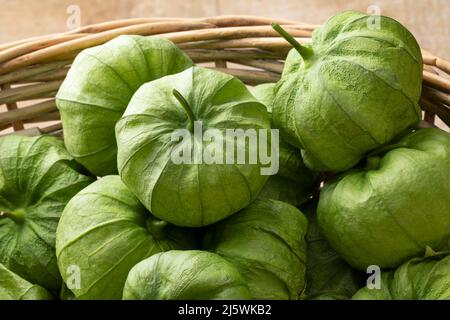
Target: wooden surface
427	19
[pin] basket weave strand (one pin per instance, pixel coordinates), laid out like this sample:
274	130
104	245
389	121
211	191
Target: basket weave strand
32	70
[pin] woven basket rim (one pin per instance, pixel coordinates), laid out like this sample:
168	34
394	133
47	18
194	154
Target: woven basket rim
34	68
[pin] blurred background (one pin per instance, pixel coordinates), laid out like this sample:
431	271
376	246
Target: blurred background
427	19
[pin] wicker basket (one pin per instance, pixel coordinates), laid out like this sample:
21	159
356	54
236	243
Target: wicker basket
32	70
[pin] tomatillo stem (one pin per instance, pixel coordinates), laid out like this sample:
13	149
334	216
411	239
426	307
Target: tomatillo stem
305	52
187	108
17	216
